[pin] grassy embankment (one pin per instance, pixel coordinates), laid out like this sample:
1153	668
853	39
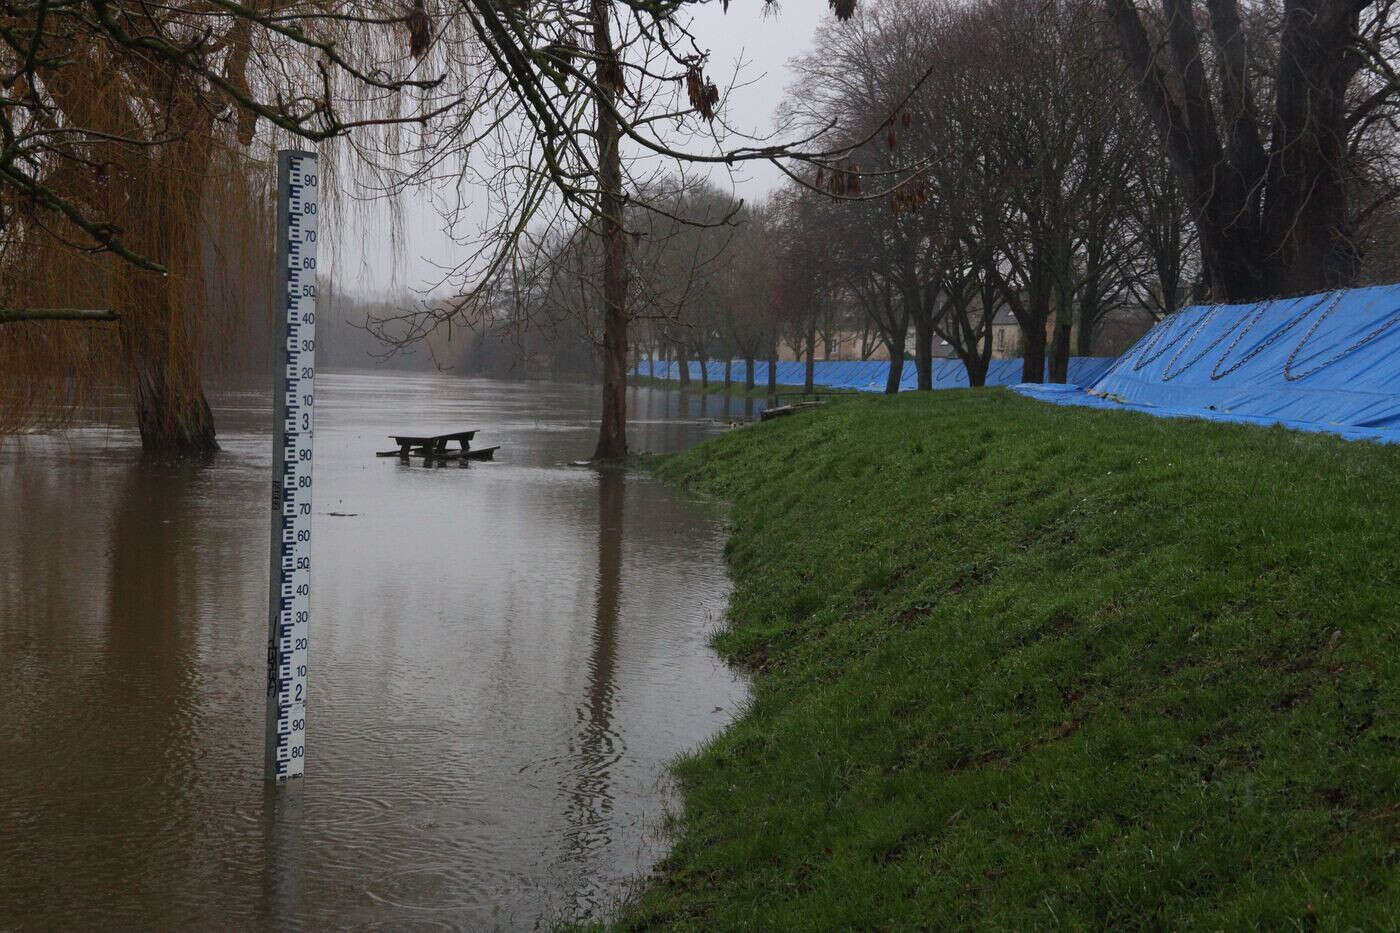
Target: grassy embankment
1024	666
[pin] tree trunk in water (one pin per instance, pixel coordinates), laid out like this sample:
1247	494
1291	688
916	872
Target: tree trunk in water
160	330
172	413
704	373
612	435
161	341
1033	361
923	352
772	371
748	372
162	356
728	375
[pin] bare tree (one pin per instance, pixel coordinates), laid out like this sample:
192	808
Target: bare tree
803	249
576	109
863	262
1275	218
1160	267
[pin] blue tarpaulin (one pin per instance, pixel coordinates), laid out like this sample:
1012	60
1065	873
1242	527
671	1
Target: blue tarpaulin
1328	362
870	375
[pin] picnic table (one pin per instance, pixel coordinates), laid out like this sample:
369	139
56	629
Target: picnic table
432	446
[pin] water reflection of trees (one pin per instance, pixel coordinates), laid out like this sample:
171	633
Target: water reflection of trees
152	602
149	683
599	747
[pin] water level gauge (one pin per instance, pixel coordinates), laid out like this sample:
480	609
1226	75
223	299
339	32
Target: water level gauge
289	602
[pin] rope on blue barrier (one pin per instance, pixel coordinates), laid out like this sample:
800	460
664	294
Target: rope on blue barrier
1273	338
1375	334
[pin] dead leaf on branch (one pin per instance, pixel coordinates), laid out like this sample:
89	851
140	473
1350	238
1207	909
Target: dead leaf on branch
844	9
703	94
843	179
610	76
909	199
556	60
420	33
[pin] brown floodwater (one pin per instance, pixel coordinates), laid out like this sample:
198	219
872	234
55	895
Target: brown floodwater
504	659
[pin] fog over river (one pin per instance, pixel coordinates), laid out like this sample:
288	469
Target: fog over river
504	658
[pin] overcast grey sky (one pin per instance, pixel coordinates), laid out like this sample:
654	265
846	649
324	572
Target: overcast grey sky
762	42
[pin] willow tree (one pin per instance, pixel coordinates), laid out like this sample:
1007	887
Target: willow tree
129	133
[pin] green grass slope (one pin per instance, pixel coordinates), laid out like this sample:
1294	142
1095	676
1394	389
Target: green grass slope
1022	666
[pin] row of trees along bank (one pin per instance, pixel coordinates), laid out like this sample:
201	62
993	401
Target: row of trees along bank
1060	163
1053	161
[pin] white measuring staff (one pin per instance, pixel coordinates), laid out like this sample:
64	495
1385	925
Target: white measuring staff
289	612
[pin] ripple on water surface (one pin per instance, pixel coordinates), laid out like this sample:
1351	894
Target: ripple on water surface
504	658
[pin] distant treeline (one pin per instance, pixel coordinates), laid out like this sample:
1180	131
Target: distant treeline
344	342
247	338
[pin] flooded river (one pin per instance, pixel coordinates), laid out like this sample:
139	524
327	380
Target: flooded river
504	658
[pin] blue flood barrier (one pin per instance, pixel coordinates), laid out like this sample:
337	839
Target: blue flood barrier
870	375
1328	363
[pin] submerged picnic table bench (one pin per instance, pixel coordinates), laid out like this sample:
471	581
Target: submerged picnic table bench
431	444
434	447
